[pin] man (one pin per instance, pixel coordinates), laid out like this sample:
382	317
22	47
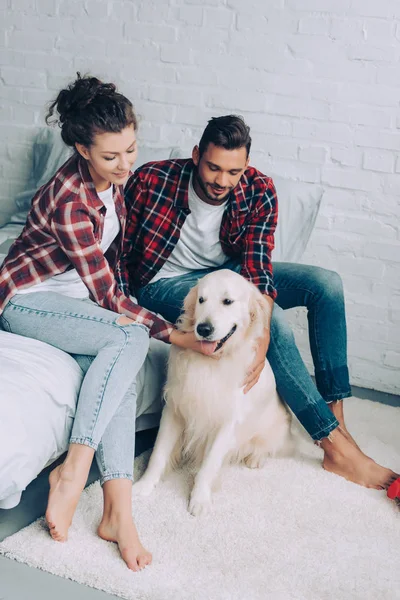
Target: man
189	217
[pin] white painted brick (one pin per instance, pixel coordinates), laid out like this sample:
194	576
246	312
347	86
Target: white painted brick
365	226
379	30
271	124
379	95
153	12
293	169
327	132
373	8
392	359
328	6
174	53
373	53
387	252
236	100
379	161
251	6
158	33
47	7
174	95
12	58
388	75
195	75
347	29
344	70
190	15
98	29
23	77
37	41
71	8
218	17
348	157
283	105
370	138
313	154
361	115
204	2
315	25
275	146
124	10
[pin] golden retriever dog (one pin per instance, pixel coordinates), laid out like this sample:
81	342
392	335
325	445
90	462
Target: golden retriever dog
207	417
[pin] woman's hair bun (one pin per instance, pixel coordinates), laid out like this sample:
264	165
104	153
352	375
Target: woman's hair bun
87	105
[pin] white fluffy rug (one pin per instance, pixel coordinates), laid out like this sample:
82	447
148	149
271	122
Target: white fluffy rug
290	531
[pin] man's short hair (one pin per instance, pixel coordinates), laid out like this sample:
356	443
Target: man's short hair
229	132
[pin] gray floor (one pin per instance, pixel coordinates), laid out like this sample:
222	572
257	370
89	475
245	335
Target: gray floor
19	582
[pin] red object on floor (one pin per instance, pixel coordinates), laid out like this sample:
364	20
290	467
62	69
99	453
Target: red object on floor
394	489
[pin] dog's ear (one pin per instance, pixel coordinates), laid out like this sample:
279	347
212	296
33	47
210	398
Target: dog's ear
260	311
186	319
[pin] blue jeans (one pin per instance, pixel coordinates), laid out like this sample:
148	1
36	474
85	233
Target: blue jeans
110	355
321	292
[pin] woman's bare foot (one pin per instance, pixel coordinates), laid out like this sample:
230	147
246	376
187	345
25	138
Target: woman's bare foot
66	484
63	500
122	530
346	459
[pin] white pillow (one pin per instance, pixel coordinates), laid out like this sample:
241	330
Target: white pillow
38	390
298	206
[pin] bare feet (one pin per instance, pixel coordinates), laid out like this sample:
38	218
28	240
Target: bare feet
346	459
122	530
65	490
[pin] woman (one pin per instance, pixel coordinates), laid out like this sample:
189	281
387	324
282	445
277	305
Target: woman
58	285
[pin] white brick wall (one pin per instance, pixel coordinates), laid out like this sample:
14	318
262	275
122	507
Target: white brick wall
317	81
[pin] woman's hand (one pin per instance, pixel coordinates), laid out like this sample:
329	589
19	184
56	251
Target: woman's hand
190	342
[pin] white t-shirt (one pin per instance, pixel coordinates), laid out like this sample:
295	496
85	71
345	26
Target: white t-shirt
198	246
69	283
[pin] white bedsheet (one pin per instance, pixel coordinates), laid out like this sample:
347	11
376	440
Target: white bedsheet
39	385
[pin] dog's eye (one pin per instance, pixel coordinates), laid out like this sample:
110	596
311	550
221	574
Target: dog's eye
201	300
227	301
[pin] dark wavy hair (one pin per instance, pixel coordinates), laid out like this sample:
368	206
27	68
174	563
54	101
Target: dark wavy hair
229	132
88	107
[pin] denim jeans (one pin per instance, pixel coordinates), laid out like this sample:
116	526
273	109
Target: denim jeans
109	353
321	292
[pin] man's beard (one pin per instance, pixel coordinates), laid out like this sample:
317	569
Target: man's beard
205	191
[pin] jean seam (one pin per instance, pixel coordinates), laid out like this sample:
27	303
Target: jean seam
116	475
78	316
84	441
315	330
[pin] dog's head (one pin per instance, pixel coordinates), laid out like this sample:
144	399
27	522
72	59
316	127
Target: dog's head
224	307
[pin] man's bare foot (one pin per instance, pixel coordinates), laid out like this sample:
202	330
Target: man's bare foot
65	490
345	459
337	408
122	530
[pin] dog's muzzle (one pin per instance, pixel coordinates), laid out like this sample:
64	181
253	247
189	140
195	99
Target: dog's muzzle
228	335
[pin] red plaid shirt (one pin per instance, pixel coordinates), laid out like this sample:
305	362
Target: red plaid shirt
156	197
63	231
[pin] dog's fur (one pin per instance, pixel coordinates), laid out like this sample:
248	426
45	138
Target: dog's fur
207	416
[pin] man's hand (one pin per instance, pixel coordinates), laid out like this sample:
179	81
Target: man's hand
189	341
254	372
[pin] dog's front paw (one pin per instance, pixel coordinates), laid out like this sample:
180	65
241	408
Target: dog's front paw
144	486
200	503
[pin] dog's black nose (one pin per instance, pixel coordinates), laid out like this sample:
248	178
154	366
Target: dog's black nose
204	329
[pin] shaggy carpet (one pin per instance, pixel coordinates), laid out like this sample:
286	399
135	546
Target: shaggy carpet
290	531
